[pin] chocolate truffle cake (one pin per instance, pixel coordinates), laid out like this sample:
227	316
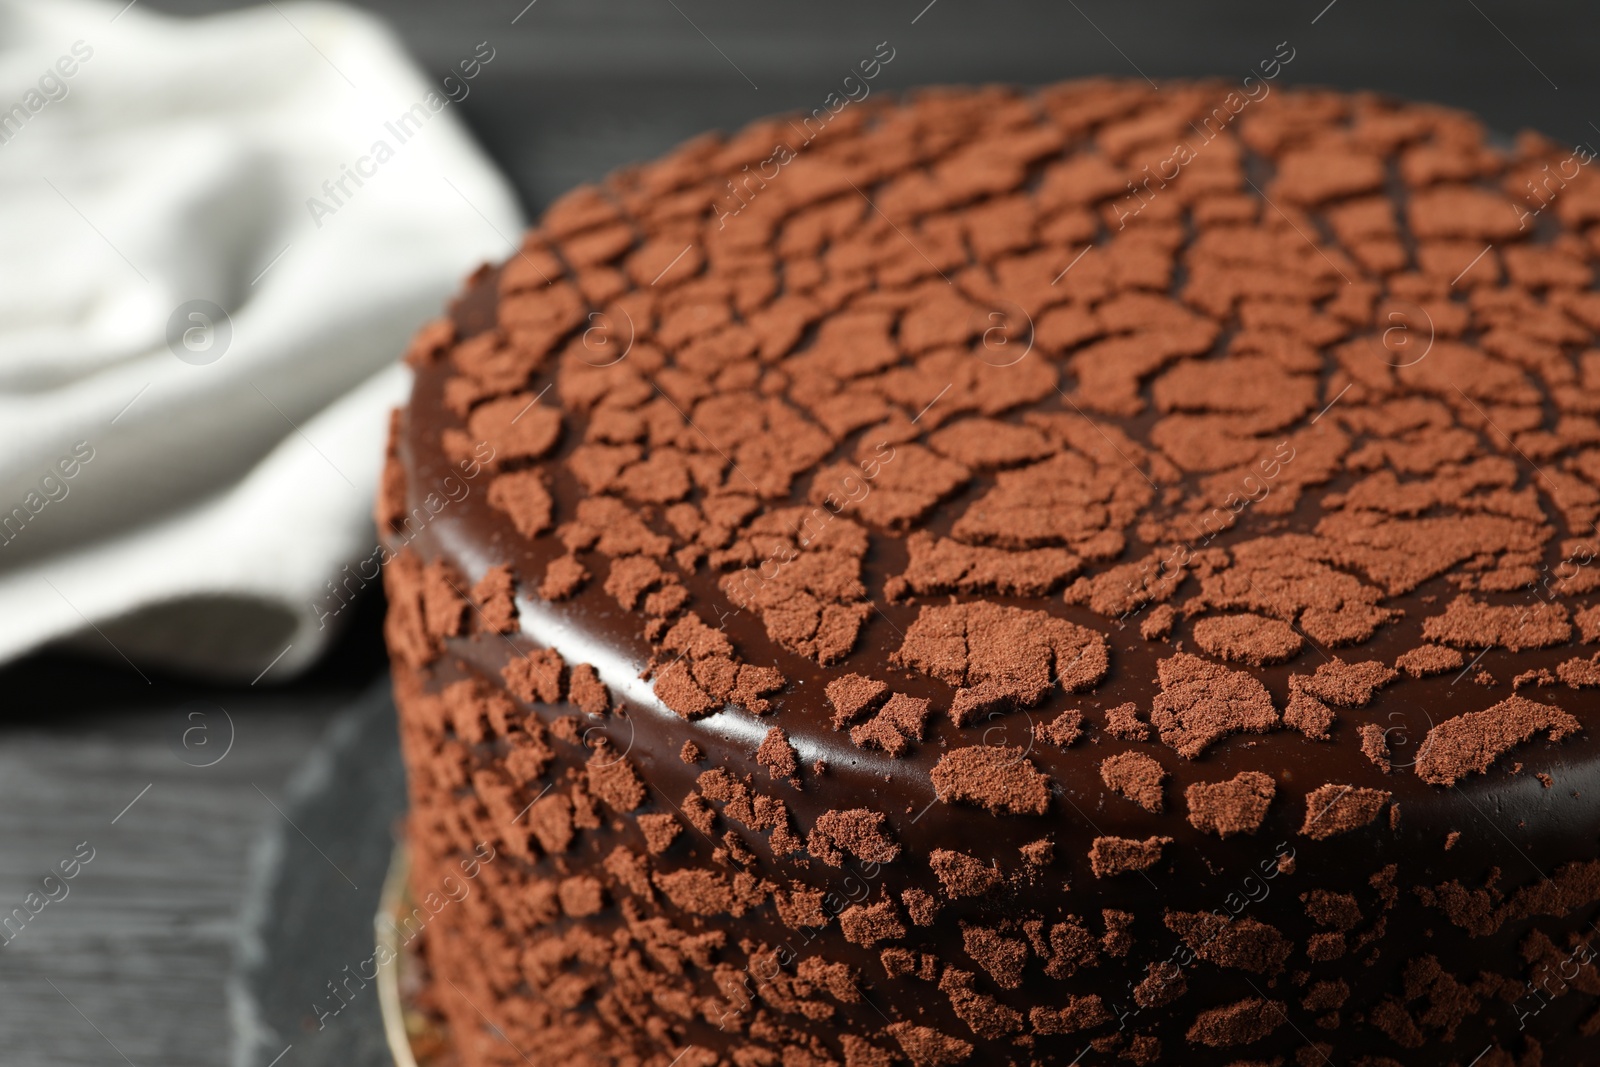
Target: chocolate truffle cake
1088	576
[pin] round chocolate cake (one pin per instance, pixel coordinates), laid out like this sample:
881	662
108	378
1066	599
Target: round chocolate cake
1073	577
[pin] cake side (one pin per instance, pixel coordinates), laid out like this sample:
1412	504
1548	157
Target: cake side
1097	628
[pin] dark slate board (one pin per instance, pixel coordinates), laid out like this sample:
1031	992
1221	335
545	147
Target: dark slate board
308	914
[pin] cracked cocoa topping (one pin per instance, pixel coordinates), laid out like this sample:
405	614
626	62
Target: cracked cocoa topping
975	597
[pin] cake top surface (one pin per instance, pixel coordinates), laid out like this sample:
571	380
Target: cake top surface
983	440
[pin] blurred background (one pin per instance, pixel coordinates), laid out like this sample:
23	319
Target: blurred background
196	790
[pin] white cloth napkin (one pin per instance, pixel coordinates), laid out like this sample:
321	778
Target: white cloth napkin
186	513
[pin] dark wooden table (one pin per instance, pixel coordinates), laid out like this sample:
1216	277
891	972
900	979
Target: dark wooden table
132	964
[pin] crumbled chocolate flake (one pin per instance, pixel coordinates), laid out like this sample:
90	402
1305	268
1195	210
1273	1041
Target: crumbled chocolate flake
926	1047
1001	780
495	597
859	832
901	720
1580	673
586	692
1239	1023
1471	742
1375	746
1002	957
659	831
1136	776
1123	723
1245	943
1117	940
962	875
614	781
1235	806
852	696
1336	809
677	688
943	566
1001	657
1079	1013
922	907
1539	677
1110	856
1306	713
536	676
1061	731
525	498
1246	638
1345	685
444	612
1163	983
777	755
1430	659
1200	703
983	1014
562	578
1158	622
1469	623
867	924
1040	853
690	753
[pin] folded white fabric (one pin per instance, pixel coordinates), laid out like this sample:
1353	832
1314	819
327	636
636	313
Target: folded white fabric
217	236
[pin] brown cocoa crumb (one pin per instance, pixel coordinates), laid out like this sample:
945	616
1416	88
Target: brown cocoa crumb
926	1047
1580	673
852	696
1430	659
659	832
1000	657
860	832
899	721
1345	685
690	753
496	600
1117	940
962	875
777	755
1061	731
1471	742
1254	639
1040	853
1135	776
867	924
1079	1013
586	692
563	577
1336	809
1123	723
1109	856
1375	746
1200	703
1157	625
1306	713
1235	806
1469	623
922	907
1244	943
1000	780
1239	1023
